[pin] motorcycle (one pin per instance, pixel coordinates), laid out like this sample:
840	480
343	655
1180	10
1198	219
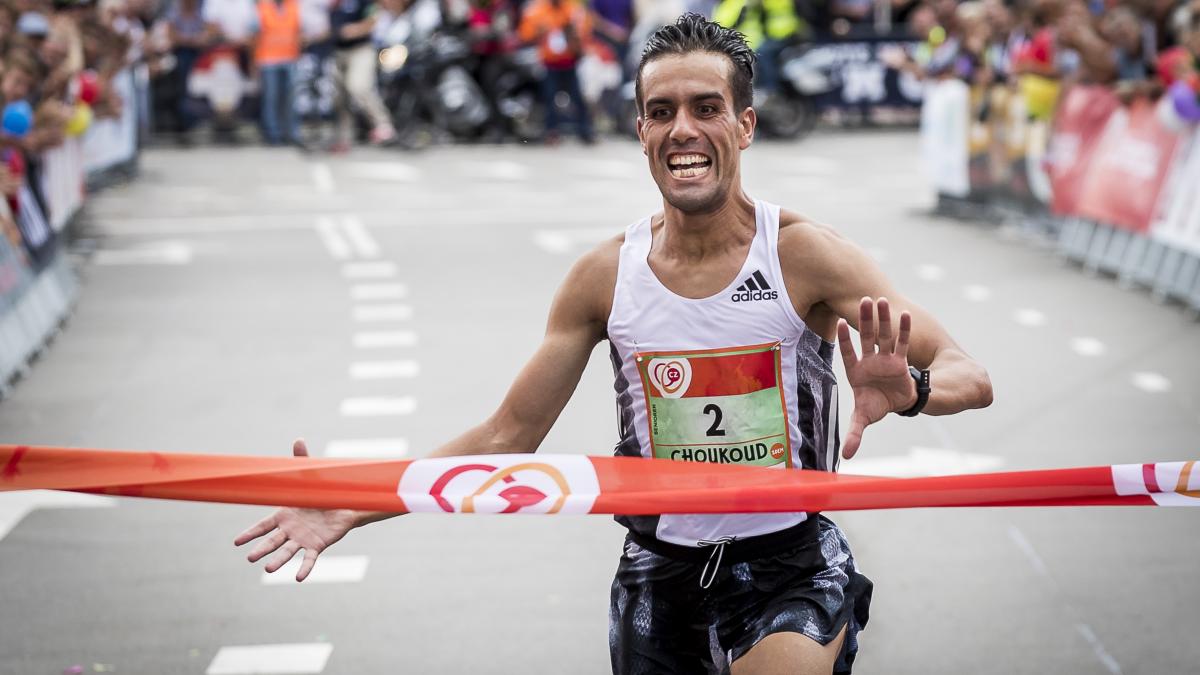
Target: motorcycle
791	111
426	83
515	88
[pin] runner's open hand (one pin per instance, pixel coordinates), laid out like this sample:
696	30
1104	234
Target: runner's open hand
289	530
880	379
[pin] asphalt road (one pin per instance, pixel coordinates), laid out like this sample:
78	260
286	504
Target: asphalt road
226	309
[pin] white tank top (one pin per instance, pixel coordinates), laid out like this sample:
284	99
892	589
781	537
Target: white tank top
733	378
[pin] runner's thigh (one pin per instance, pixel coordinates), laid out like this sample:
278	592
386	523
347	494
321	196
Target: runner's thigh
656	623
790	654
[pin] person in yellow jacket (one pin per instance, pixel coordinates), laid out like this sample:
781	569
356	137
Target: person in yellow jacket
769	25
276	50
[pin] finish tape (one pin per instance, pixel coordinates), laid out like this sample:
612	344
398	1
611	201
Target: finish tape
546	484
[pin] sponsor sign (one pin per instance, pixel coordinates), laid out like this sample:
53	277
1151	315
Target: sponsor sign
500	484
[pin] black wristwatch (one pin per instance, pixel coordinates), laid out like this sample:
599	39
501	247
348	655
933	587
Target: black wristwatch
921	377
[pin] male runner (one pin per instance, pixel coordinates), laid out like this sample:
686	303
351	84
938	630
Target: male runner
720	312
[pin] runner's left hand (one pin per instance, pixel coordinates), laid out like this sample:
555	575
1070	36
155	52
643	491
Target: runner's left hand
880	379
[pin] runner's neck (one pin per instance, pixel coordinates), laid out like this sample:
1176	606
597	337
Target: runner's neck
700	236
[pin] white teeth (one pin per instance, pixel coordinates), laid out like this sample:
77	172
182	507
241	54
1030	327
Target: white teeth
689	172
683	160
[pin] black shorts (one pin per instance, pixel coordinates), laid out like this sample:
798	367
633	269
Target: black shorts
662	621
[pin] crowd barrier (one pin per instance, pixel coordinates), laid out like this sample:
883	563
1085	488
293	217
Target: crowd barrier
38	286
1117	184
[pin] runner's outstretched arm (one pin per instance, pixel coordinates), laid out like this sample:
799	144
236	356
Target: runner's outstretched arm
578	318
841	282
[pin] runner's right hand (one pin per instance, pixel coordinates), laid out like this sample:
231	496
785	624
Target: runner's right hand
288	530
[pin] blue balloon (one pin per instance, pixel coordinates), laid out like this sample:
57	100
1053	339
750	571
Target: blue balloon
18	118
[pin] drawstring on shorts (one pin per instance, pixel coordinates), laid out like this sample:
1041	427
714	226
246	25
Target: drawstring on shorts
717	553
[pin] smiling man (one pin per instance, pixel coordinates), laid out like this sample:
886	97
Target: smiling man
720	312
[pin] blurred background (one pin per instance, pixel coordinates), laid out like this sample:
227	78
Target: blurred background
229	224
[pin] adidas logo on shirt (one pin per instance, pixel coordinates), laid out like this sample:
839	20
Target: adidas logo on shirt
754	288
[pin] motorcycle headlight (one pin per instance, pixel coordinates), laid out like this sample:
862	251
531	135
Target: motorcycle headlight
393	58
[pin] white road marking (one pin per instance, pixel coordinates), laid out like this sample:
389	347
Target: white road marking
377	406
922	462
332	238
976	293
1018	537
343	569
563	241
608	168
16	505
385	171
383	370
1039	567
362	241
1087	346
500	170
383	313
930	273
1098	648
282	659
1029	317
370	448
378	291
382	269
323	178
158	253
376	340
1151	383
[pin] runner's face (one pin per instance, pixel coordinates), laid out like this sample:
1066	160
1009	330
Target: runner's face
690	130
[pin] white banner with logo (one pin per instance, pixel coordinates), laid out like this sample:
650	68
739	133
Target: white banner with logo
110	142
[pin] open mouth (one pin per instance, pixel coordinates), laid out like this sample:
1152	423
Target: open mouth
688	165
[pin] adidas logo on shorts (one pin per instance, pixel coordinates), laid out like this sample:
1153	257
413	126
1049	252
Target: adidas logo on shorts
754	288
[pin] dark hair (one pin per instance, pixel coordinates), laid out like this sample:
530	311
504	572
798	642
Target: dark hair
694	33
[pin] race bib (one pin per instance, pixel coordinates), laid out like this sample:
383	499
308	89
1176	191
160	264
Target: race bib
717	405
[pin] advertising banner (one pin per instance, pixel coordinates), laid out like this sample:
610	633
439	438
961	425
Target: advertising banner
1128	169
1083	114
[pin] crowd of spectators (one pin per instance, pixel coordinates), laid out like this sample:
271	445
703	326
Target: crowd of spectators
1136	45
1139	47
57	64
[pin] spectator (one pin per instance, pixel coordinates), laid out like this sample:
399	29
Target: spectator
560	28
492	26
189	35
769	26
276	50
613	22
355	56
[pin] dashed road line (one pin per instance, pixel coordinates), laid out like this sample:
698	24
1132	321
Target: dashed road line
382	269
362	292
279	659
368	448
1088	346
331	237
381	339
14	506
159	253
368	313
1151	383
345	569
323	178
1035	561
1029	317
977	293
384	370
371	406
930	272
361	240
1098	648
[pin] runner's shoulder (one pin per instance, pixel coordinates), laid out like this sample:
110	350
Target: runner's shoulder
809	245
593	278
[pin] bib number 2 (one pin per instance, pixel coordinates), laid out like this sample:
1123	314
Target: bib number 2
721	405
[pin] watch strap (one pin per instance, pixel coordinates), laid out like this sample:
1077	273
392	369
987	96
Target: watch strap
921	377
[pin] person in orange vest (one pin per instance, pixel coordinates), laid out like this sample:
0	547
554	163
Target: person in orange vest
276	50
560	28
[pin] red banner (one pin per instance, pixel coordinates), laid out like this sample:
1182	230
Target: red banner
1079	125
548	484
1128	169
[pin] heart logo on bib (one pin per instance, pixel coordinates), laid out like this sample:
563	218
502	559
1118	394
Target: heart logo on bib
671	377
